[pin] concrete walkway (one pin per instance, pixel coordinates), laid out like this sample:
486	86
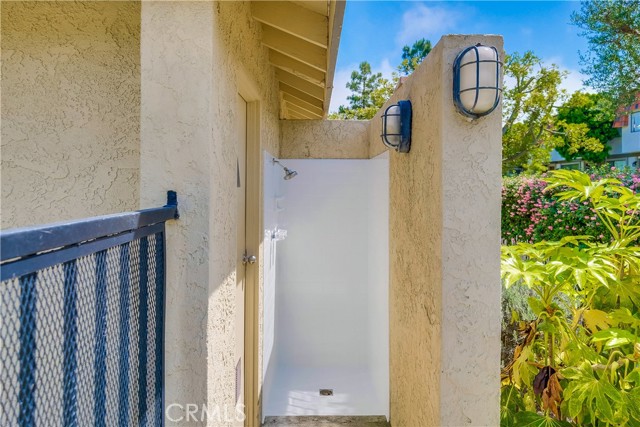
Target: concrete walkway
330	421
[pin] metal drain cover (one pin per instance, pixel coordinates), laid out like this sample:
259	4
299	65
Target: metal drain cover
326	392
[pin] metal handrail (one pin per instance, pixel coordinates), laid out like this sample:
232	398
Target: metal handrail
63	241
80	299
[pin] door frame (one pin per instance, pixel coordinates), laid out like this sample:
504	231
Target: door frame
248	90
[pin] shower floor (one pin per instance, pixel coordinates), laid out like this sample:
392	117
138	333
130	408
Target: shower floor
322	421
294	391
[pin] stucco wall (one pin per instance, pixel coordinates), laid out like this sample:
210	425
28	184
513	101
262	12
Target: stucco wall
444	254
193	54
324	139
70	110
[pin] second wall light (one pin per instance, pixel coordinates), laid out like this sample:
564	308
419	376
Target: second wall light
396	127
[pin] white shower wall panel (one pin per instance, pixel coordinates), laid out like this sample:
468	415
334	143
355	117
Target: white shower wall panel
331	289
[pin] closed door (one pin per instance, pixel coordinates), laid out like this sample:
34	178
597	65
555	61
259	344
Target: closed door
240	290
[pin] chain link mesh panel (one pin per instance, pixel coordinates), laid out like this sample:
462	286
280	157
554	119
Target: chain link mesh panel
81	343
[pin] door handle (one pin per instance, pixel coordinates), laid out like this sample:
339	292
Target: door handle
248	259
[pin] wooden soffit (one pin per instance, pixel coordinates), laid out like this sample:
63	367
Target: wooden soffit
302	38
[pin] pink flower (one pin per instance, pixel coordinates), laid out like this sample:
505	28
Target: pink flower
551	227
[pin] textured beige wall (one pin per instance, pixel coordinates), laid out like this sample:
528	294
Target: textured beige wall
324	139
70	110
471	310
241	64
192	57
444	254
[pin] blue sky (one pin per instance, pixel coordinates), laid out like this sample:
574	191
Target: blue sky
375	31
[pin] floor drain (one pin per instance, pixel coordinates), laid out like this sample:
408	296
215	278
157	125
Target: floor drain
326	392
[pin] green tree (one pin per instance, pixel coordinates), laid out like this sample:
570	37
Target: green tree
369	92
528	112
362	85
585	123
612	29
413	56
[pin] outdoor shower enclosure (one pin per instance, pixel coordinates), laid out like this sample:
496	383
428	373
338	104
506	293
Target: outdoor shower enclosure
326	288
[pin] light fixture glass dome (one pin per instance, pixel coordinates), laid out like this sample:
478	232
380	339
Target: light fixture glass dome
476	80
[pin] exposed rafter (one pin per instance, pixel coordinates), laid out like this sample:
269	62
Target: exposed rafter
317	91
292	108
302	104
297	68
301	95
293	19
297	48
302	37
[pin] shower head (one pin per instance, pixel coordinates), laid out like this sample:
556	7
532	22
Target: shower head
288	173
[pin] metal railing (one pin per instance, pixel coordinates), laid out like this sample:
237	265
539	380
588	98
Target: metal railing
82	321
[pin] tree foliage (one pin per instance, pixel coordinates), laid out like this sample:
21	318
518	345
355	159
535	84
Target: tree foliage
537	117
413	56
612	29
585	123
362	85
531	92
369	91
578	362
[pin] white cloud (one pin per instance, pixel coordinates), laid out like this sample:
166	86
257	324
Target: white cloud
342	77
426	21
340	92
385	68
573	82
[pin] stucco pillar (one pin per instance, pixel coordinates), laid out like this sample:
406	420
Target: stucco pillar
444	254
176	143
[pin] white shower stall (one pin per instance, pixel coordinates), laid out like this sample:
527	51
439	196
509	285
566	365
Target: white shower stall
326	280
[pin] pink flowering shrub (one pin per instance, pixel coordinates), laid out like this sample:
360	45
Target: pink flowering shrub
531	214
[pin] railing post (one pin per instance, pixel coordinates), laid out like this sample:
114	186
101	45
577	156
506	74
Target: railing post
159	324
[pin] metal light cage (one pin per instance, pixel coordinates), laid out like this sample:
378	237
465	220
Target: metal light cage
403	144
457	66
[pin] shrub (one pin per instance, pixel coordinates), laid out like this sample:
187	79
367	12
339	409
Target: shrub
578	362
533	213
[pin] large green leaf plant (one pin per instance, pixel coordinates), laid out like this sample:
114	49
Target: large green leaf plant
578	362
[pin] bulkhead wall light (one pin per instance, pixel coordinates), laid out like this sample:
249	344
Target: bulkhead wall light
476	80
396	127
